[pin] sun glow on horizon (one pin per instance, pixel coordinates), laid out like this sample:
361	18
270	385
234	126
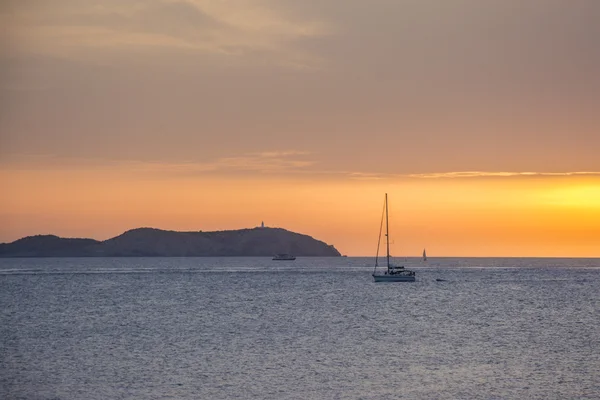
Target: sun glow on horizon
582	195
509	216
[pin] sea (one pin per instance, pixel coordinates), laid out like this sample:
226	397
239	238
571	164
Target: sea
314	328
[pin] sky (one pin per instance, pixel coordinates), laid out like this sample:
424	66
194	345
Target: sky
480	119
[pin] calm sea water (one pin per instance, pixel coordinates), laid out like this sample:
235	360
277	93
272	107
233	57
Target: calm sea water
314	328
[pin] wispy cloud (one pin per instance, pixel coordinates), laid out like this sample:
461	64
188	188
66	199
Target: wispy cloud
484	174
375	176
259	162
272	161
262	162
284	153
366	176
252	30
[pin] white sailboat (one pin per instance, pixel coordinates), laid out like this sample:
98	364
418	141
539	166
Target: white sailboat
393	273
424	255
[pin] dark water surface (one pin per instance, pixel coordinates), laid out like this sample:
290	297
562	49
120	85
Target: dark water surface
314	328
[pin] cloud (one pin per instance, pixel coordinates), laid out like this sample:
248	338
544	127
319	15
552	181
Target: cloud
276	161
286	162
485	174
457	175
261	162
251	30
366	176
272	164
285	153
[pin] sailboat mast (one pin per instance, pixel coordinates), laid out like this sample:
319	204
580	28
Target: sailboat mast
379	238
387	232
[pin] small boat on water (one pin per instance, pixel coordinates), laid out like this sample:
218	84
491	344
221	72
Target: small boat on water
424	255
284	257
393	273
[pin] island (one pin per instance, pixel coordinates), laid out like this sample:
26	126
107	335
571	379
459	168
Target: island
150	242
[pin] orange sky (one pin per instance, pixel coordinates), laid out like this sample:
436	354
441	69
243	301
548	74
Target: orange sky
476	216
201	114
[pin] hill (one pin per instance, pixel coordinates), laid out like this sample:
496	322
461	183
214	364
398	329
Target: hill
149	242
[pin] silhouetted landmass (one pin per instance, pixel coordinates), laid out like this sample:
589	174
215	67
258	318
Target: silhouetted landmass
149	242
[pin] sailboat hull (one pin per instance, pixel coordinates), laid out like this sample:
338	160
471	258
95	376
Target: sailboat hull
393	278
